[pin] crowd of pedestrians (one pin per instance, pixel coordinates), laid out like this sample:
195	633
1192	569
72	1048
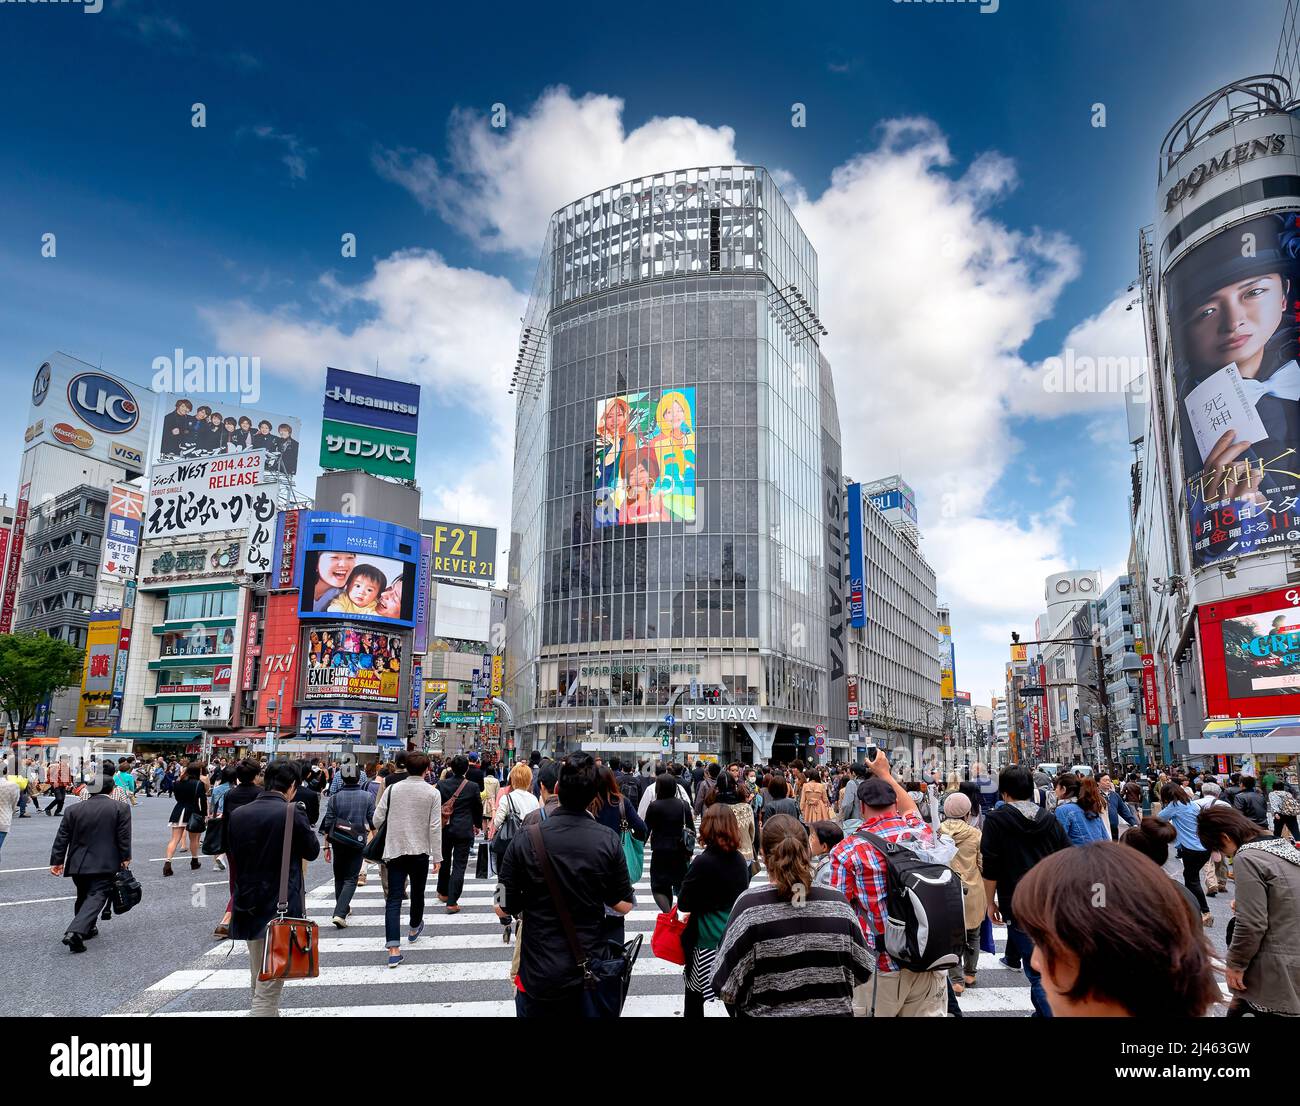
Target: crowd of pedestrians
782	890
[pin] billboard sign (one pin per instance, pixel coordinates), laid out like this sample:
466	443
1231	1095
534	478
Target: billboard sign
207	495
857	569
1236	386
463	552
194	427
462	613
90	412
1250	648
421	643
122	533
14	566
1150	696
345	723
358	568
947	664
371	449
349	662
372	401
103	636
645	458
259	547
285	550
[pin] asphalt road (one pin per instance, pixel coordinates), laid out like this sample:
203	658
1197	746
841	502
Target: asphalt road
171	932
170	928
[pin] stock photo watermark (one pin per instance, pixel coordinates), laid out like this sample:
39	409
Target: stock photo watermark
239	375
90	7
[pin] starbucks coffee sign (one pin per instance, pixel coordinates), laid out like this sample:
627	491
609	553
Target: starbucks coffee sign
727	713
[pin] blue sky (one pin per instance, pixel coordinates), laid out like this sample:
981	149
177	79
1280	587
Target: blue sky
340	118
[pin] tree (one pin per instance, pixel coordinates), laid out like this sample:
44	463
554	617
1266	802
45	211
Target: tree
33	667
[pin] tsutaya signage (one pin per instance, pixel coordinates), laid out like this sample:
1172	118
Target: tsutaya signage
726	713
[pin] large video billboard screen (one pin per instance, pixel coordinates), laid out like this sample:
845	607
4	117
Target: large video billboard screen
349	662
195	427
645	458
1233	331
356	568
1250	648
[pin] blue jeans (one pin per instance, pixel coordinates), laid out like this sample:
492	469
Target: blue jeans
401	868
1025	947
3	835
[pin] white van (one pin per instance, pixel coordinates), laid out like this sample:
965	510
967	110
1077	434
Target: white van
1081	770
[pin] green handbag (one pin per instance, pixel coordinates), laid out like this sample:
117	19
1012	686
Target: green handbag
633	850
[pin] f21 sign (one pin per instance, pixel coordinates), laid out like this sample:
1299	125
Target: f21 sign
207	495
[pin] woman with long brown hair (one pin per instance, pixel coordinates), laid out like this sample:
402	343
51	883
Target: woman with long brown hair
1112	937
765	967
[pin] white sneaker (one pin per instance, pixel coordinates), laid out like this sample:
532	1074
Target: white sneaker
339	922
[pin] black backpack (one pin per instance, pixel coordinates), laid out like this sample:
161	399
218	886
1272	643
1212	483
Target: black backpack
925	919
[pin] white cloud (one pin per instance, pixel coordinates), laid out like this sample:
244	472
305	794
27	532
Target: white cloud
296	152
453	331
501	185
928	296
1099	358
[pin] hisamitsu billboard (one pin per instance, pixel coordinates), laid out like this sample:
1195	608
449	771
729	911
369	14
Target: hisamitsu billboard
372	401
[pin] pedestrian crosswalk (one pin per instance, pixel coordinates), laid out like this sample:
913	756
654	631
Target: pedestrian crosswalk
460	966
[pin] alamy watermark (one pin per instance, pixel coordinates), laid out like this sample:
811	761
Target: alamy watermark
986	7
1087	375
90	7
240	376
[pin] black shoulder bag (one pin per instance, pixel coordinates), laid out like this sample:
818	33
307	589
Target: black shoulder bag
605	979
374	849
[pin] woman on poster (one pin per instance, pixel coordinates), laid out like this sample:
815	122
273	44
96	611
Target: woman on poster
615	448
1233	303
674	446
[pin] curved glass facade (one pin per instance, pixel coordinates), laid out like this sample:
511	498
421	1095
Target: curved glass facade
669	547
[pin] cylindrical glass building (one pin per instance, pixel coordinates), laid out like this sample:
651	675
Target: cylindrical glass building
677	545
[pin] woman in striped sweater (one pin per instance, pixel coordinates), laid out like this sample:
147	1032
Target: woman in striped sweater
790	949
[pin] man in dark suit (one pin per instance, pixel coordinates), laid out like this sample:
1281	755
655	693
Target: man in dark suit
255	844
93	842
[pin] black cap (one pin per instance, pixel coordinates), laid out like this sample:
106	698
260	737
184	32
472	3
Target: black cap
1220	262
876	792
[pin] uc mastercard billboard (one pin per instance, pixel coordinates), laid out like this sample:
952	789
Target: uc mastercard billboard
90	412
357	569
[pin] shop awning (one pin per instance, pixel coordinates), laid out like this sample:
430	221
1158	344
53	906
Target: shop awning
160	737
1278	734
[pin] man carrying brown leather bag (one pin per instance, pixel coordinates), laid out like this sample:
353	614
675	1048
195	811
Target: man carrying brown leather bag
255	845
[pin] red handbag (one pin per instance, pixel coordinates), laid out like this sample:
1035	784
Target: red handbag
666	942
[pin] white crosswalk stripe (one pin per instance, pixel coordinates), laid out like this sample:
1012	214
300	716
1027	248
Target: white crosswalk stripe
460	966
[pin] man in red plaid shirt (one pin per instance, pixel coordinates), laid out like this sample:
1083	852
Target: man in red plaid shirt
858	872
